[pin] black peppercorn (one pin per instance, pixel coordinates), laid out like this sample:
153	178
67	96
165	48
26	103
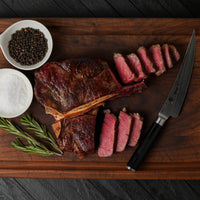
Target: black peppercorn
28	46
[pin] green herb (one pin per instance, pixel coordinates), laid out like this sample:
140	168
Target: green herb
34	146
40	130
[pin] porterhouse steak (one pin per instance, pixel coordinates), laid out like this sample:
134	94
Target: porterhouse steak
71	91
75	86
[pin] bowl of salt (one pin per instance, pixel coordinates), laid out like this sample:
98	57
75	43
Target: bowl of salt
16	93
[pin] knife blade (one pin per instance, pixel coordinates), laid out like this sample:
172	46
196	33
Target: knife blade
171	107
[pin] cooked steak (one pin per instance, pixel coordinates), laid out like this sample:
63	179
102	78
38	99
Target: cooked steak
174	52
70	91
122	131
157	59
135	65
124	127
76	86
167	56
148	65
125	73
138	67
107	137
136	129
77	134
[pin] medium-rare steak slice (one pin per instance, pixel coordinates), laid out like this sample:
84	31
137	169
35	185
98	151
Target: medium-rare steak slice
167	56
76	86
77	134
136	66
136	129
148	65
124	127
158	59
125	73
107	137
174	52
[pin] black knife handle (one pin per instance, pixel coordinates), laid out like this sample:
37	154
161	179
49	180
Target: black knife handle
143	148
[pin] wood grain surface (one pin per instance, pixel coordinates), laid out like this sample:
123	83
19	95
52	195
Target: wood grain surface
175	155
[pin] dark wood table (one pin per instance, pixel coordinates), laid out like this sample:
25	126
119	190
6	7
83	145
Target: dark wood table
12	188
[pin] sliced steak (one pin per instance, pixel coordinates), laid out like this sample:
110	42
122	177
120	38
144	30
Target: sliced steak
148	65
124	127
174	53
125	73
136	67
167	56
107	137
157	59
136	129
76	86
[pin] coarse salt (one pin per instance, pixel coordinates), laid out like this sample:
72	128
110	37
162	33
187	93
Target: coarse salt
13	94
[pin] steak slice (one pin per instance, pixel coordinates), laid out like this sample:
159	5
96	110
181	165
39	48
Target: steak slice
136	129
136	66
107	137
77	134
167	56
125	73
148	65
174	52
158	59
124	127
77	86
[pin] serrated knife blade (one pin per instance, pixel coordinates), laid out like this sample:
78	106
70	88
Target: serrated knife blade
171	107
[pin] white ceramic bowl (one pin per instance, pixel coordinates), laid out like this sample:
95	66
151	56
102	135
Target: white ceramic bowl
11	103
5	37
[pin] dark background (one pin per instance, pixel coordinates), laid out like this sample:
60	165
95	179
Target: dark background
53	189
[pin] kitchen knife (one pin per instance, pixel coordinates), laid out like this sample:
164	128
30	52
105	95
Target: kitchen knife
171	107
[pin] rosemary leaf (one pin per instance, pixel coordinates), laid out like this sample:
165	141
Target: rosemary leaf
30	149
15	130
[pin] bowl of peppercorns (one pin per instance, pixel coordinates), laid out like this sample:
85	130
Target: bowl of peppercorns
26	44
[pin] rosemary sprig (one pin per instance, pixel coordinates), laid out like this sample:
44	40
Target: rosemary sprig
40	130
33	146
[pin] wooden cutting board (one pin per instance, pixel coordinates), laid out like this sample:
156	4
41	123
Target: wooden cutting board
176	153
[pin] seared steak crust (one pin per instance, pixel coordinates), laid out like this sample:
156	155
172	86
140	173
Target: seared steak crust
64	86
77	134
